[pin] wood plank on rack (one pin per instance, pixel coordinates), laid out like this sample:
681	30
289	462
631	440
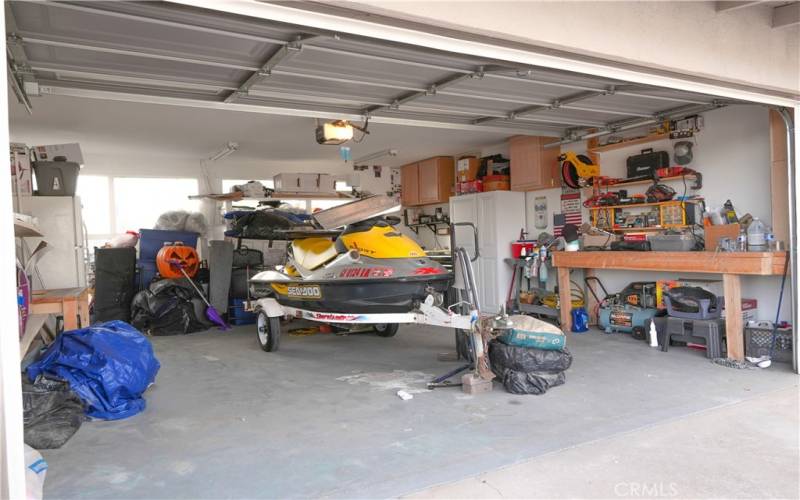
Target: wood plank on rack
751	263
630	142
734	329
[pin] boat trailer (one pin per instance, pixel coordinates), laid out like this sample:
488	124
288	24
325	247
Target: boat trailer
464	316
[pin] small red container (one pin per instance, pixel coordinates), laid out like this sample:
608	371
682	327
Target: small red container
517	246
469	187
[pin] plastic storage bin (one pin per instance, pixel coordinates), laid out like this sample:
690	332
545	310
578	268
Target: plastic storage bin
56	178
238	316
671	242
150	242
706	311
696	331
758	339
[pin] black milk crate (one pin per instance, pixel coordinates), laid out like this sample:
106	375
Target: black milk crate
758	338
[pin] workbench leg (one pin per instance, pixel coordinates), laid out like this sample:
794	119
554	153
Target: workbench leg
564	299
83	310
734	329
69	309
591	302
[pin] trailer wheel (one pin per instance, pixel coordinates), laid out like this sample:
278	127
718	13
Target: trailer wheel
386	329
269	332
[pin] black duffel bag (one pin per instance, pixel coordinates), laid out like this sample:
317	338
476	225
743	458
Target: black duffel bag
247	257
527	359
646	163
52	413
530	382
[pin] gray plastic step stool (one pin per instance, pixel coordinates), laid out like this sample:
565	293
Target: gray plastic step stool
710	332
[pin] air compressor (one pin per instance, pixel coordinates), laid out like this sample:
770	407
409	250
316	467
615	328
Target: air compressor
628	311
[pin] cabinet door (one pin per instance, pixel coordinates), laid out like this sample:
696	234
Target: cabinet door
463	209
445	177
409	180
532	166
524	158
488	286
428	181
551	168
487	223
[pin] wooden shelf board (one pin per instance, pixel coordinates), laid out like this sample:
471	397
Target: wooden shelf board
630	142
635	205
642	182
752	263
275	197
23	229
644	229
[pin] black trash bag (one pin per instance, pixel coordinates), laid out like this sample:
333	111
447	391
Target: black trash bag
168	307
528	359
531	382
52	413
261	224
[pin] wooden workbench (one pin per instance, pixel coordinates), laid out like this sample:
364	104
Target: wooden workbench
731	265
71	303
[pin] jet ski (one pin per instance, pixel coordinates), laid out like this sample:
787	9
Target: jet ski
370	267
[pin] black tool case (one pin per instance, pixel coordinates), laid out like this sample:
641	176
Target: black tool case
115	273
646	163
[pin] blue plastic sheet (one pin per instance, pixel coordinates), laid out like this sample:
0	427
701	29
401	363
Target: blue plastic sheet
108	365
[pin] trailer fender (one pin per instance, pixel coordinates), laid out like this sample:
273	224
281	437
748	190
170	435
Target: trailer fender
270	307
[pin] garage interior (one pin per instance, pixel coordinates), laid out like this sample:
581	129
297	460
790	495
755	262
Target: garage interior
170	107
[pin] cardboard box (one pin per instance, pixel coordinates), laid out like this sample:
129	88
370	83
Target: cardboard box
467	169
498	167
305	183
598	240
72	152
469	187
21	175
714	233
496	183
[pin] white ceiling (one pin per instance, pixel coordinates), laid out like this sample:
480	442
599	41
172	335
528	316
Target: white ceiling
115	127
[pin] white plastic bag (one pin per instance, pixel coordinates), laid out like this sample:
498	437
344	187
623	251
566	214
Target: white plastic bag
35	470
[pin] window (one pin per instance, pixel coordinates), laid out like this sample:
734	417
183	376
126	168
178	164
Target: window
95	195
138	202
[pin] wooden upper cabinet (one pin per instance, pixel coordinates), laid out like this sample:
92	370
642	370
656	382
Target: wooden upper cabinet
532	166
409	181
428	182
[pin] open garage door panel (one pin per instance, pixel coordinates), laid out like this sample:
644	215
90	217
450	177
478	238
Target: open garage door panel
174	54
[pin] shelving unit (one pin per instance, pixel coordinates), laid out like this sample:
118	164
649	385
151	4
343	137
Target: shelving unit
642	182
433	226
662	205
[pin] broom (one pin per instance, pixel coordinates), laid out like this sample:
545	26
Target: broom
211	313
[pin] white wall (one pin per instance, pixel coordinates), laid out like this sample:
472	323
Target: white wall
689	37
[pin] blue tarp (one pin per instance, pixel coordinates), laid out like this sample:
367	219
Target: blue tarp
108	365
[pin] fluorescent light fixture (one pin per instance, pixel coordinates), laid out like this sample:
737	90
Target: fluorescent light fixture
230	148
375	155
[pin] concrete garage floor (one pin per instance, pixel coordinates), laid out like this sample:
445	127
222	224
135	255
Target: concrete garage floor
320	417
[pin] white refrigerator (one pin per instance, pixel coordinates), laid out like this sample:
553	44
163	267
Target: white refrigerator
499	217
59	219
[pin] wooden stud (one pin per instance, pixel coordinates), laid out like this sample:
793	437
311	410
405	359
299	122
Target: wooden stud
591	302
734	329
564	299
70	311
